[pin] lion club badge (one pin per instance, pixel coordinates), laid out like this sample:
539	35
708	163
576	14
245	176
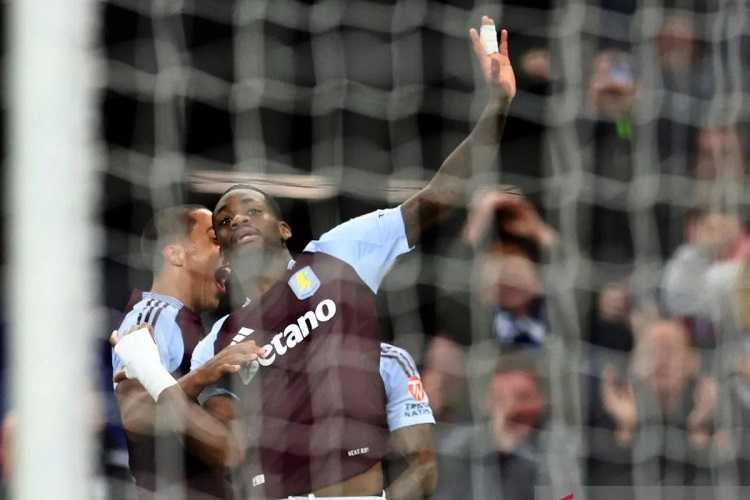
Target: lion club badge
304	283
415	388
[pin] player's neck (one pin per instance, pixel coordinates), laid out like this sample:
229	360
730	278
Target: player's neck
258	275
174	285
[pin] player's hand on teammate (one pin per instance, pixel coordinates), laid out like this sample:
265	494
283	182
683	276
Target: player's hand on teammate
231	359
127	354
495	61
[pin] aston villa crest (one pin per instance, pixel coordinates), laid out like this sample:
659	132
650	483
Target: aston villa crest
304	283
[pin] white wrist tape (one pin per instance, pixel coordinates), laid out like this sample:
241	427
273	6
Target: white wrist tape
141	359
488	37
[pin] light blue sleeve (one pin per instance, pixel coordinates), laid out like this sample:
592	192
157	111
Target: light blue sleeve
201	354
369	243
407	403
167	335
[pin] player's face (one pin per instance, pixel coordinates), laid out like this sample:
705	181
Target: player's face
203	260
244	222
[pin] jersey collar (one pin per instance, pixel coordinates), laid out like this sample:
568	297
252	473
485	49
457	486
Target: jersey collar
289	267
164	298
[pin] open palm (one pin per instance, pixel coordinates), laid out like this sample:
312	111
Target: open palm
496	67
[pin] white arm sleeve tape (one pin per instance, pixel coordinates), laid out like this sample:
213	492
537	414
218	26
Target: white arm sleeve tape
141	358
488	37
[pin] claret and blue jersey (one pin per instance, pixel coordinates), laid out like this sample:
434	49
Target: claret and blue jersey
177	330
323	410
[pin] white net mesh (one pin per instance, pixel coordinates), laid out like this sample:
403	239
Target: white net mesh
627	134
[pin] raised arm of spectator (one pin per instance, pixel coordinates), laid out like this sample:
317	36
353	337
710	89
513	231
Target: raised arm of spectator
446	190
522	218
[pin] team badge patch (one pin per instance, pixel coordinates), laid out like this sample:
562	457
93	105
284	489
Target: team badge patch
415	388
304	283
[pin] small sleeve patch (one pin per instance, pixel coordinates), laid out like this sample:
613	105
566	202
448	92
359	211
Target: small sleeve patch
304	283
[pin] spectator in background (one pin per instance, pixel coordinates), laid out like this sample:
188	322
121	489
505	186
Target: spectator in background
700	278
606	141
502	308
611	326
509	284
720	155
505	456
507	235
654	425
676	48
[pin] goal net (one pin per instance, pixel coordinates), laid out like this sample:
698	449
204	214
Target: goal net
609	360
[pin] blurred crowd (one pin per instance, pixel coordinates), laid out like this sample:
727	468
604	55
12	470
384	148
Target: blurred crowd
634	384
599	344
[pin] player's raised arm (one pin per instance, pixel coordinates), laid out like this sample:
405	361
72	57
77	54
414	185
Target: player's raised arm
446	190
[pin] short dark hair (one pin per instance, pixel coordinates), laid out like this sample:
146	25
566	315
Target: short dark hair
532	362
273	205
167	226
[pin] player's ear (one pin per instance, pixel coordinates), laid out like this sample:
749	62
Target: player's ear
174	254
285	231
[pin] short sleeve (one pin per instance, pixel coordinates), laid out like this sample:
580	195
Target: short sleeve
407	403
369	243
203	352
167	335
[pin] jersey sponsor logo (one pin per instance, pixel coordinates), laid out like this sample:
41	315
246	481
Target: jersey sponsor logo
258	480
304	283
415	388
294	333
416	410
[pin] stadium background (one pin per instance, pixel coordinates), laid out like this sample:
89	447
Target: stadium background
369	97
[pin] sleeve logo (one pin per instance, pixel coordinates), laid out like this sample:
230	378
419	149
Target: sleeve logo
304	283
415	388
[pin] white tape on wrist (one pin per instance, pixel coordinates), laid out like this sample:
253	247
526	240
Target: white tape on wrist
155	379
488	37
141	359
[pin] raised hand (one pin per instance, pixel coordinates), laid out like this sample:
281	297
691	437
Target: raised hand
700	418
496	67
619	401
522	218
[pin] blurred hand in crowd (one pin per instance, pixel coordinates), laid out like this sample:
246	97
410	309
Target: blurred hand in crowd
515	404
701	417
619	402
519	218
